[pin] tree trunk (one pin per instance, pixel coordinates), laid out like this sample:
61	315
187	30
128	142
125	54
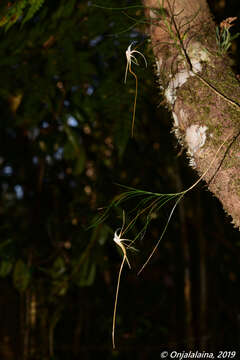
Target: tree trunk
201	91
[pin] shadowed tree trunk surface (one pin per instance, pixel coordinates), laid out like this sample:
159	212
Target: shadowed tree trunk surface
202	92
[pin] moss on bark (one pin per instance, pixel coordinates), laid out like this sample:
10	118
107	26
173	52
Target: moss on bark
202	90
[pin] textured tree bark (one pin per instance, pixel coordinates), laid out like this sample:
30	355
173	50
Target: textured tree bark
201	91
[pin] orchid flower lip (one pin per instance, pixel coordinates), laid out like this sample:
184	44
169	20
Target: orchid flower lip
132	59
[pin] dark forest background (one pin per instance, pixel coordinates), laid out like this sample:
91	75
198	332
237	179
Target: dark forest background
65	141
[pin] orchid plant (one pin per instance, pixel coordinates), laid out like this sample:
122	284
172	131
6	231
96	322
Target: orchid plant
132	59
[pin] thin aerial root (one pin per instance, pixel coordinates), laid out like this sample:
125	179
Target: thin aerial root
135	100
116	301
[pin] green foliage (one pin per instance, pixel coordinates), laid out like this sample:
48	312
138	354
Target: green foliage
58	268
3	245
22	10
73	150
34	6
5	268
21	276
223	36
87	274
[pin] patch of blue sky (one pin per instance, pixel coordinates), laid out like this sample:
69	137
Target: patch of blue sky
66	103
90	90
35	160
45	124
71	121
96	40
19	191
59	154
7	170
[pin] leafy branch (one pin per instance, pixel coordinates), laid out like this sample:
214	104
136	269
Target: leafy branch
20	10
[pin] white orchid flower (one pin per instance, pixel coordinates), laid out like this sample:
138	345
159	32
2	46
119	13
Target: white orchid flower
131	58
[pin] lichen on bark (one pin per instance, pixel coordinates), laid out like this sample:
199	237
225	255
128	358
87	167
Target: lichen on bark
201	91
